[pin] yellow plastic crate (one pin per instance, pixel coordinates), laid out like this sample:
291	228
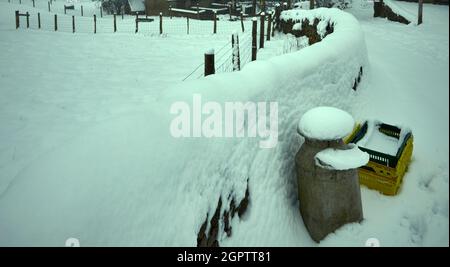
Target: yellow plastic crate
384	172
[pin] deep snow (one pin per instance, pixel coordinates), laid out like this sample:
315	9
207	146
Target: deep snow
86	151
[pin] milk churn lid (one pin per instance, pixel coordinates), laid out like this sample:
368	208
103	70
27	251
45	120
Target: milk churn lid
341	159
325	123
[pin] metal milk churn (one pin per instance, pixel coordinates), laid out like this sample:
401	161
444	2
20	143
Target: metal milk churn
328	184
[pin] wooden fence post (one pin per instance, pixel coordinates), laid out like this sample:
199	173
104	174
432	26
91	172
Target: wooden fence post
17	19
235	52
254	48
20	2
49	10
122	12
311	4
95	23
33	4
274	19
187	21
115	24
242	22
261	31
65	9
209	62
215	23
39	20
56	22
137	25
73	24
233	59
253	7
377	8
229	10
198	11
420	17
101	12
160	23
238	53
289	4
82	10
269	26
28	19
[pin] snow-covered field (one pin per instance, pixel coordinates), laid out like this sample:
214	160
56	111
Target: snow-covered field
408	86
105	22
86	151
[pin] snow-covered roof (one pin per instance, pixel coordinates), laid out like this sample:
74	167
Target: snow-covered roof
136	5
187	11
342	159
326	123
212	9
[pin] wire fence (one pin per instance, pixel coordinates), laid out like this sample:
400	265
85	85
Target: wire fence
176	25
42	19
228	56
84	20
57	6
91	20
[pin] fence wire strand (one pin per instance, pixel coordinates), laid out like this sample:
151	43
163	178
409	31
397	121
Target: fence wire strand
224	57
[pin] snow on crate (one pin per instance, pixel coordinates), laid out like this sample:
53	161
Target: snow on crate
325	123
342	159
376	140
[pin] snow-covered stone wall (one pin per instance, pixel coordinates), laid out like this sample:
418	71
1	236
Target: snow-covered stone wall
321	74
337	58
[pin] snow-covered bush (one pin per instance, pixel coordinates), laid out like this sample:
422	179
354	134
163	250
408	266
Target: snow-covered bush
341	4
